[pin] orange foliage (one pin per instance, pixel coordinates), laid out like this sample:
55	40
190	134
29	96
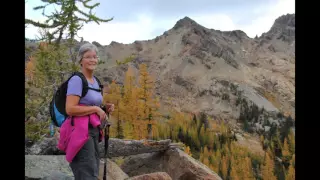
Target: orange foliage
30	68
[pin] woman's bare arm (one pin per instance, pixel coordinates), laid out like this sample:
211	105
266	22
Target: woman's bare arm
73	109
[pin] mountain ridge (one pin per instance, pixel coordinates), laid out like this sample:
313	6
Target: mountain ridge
190	64
191	47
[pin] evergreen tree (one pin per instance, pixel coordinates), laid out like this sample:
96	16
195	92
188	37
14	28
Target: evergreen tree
67	20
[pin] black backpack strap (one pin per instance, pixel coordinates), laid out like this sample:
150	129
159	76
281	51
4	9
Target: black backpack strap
84	87
84	83
100	85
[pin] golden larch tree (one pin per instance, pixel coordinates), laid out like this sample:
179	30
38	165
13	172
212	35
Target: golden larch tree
29	70
147	105
286	156
187	151
247	171
130	103
114	96
268	168
224	167
234	169
291	141
290	174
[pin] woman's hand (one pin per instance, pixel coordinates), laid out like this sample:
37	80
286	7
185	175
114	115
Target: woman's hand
110	107
101	114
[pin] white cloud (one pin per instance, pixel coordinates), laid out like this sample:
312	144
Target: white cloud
143	28
120	32
215	21
263	23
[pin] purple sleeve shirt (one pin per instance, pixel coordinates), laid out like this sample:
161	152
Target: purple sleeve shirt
92	98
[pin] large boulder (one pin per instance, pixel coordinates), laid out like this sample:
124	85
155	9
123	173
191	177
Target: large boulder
152	176
50	167
56	175
47	146
114	172
136	165
180	165
175	162
41	166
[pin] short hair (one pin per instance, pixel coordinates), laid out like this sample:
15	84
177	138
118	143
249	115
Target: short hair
84	48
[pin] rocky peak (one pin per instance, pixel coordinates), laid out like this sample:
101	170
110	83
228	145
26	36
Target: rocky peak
283	29
96	44
287	20
114	43
185	22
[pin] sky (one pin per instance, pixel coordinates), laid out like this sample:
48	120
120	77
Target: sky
147	19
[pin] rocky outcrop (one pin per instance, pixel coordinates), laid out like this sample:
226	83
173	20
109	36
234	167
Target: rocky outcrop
117	147
179	165
114	172
136	165
55	175
175	162
37	167
157	157
152	176
96	44
283	28
203	42
56	167
47	146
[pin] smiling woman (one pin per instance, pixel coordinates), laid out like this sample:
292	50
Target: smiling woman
86	115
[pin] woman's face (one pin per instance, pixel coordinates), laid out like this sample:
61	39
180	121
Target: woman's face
89	60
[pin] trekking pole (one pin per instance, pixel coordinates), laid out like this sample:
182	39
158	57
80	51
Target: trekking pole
106	143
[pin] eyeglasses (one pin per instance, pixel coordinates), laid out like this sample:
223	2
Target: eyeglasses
91	57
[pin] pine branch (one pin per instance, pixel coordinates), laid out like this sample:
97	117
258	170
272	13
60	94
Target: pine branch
84	3
38	24
39	7
96	19
84	14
